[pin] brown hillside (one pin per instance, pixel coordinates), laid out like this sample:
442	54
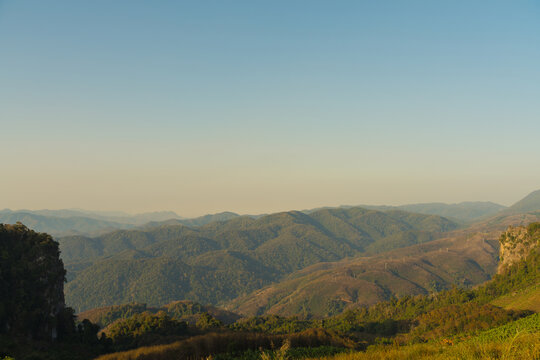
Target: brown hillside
465	258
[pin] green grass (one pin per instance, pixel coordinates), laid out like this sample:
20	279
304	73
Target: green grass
529	324
524	346
518	339
527	299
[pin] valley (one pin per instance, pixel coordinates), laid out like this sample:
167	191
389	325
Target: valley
335	278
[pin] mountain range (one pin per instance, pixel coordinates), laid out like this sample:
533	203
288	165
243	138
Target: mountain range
221	260
313	262
65	222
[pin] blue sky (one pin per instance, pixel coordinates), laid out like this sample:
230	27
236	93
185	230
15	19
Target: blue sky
261	106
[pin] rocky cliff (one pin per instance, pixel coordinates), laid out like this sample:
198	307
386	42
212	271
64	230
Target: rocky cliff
31	284
517	243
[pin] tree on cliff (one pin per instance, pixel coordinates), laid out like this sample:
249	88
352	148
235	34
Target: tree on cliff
32	285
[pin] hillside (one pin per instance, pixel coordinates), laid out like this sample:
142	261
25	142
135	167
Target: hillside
219	261
197	221
464	258
330	288
465	212
60	223
109	216
457	323
529	203
468	211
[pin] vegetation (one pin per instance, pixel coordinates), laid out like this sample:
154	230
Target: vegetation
441	326
222	260
143	329
202	346
438	325
31	279
526	346
187	311
34	321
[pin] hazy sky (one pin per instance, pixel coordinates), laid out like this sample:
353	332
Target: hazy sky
260	106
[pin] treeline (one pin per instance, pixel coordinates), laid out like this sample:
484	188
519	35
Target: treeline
188	311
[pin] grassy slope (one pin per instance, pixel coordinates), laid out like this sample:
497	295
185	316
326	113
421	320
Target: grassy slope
519	339
526	299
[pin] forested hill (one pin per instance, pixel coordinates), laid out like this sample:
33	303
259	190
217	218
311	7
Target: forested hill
479	323
222	260
464	258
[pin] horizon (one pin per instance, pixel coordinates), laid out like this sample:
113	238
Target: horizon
125	213
205	107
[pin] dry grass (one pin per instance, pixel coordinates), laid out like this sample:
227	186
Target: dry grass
200	347
522	346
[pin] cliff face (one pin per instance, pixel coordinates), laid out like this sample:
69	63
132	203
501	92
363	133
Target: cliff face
517	243
31	283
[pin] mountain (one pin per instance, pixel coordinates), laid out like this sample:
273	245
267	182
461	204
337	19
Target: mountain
115	217
529	203
221	260
91	223
457	323
464	259
198	221
60	226
465	212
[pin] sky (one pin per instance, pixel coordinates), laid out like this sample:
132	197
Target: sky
261	106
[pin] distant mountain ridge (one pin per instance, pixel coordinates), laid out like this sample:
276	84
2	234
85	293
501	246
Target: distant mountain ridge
90	223
110	216
468	211
64	222
58	226
529	203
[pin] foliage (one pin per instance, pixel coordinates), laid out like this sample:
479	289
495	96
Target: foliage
292	353
526	346
529	324
463	318
222	260
272	324
105	316
32	273
34	321
207	321
144	328
187	311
